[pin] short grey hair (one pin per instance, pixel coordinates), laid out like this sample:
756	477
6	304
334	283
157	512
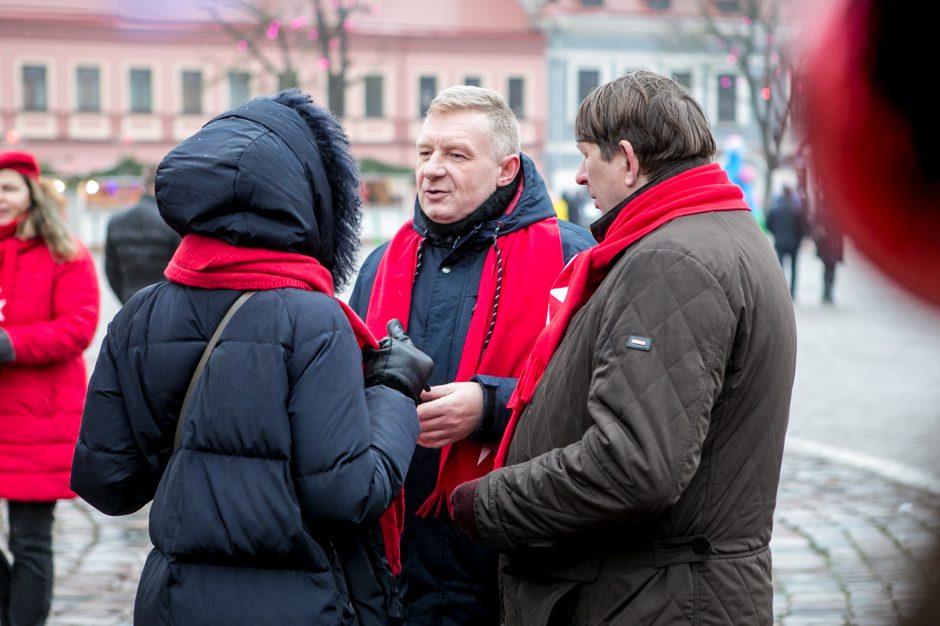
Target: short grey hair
504	126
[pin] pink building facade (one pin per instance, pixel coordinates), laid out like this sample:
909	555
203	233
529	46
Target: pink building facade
86	83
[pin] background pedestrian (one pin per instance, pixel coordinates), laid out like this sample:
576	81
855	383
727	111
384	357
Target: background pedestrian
48	316
138	244
830	247
786	221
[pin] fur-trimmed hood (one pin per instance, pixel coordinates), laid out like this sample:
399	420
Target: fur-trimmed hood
256	176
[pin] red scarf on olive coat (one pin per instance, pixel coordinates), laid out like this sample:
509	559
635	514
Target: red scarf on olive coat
698	190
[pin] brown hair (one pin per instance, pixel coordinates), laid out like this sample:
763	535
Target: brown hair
657	115
44	220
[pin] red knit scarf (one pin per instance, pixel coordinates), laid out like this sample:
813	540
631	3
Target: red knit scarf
532	257
698	190
213	264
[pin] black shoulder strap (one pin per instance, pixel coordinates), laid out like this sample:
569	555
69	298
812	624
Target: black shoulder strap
242	299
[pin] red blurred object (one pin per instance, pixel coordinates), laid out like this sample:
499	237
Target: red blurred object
883	186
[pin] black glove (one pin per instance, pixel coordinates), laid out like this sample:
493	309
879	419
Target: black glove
397	363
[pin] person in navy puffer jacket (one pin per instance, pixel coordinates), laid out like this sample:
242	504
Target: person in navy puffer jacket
266	512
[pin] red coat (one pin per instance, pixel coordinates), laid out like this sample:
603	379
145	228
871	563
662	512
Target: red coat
49	311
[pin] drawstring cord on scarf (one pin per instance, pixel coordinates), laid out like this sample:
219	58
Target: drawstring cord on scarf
422	246
420	256
499	284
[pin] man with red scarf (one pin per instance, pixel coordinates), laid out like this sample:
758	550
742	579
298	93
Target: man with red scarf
470	276
637	479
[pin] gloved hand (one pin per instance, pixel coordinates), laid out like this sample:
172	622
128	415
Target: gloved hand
462	512
397	363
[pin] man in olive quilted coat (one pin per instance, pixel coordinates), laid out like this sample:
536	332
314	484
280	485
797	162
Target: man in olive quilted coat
642	460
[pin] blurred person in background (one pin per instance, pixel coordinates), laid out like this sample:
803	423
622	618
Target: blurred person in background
139	244
290	447
787	221
470	275
48	315
643	455
830	246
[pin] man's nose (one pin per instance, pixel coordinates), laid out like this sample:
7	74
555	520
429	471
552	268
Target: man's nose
434	166
581	176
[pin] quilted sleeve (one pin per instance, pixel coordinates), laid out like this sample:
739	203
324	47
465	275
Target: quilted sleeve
649	408
109	471
351	445
73	322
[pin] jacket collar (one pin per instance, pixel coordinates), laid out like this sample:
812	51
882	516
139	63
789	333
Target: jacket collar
600	227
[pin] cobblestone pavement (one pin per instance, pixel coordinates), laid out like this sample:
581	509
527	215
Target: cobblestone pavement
849	548
850	541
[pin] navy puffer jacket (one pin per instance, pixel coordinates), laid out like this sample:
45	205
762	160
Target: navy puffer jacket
284	456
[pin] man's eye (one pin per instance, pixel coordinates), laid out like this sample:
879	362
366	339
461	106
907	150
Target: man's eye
457	156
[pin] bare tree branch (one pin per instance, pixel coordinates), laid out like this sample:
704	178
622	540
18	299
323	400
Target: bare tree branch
758	48
273	41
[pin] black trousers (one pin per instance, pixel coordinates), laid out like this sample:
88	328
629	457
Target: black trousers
782	254
26	584
829	279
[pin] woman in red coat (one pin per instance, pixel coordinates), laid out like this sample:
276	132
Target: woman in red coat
48	315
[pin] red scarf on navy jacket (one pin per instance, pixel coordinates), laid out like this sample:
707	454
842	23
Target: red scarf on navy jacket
213	264
532	258
698	190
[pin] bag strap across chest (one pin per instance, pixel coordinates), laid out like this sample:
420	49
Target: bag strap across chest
197	374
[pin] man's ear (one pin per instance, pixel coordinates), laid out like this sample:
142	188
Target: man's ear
508	168
632	174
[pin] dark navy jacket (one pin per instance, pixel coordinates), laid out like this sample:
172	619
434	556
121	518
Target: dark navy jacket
284	452
137	248
446	578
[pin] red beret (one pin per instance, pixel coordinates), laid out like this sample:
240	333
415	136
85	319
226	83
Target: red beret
22	162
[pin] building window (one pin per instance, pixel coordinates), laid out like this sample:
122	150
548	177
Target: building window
34	88
374	96
728	6
588	80
192	92
683	78
727	97
141	81
88	89
592	3
239	87
516	89
660	5
473	81
427	89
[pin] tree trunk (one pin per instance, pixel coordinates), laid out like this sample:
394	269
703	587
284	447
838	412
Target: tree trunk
337	94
